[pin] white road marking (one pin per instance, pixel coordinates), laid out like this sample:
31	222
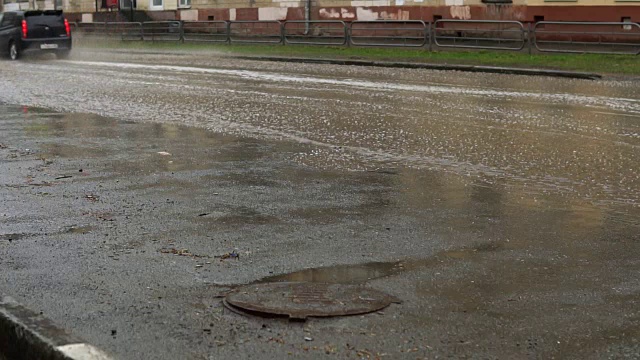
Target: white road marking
83	352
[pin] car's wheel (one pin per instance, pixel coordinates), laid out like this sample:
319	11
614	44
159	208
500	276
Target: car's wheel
64	54
14	52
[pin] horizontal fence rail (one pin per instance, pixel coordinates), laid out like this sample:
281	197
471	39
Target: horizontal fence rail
125	31
205	31
327	32
587	37
480	34
162	31
91	29
265	32
399	33
544	36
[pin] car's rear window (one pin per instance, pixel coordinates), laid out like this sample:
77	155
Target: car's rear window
47	17
43	13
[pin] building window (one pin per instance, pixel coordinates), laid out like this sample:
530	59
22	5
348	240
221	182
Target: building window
626	20
156	5
497	2
184	3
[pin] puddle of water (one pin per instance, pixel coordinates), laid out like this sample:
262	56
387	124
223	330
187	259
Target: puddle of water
80	229
361	273
240	216
341	274
244	215
89	136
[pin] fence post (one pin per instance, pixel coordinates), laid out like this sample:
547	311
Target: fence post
432	25
347	33
530	38
282	34
181	31
227	29
427	34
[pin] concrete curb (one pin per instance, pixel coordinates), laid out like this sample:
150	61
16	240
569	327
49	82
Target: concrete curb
27	335
406	65
393	64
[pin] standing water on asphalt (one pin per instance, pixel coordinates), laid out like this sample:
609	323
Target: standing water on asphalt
501	209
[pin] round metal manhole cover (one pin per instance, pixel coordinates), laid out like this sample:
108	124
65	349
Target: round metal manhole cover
299	300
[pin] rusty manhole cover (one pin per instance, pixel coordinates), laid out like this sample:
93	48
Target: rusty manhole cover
299	300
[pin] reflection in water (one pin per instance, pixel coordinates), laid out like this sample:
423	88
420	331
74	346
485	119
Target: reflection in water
90	131
417	205
588	159
361	273
531	187
343	274
572	138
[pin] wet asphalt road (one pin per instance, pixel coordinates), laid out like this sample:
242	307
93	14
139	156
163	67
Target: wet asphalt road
503	210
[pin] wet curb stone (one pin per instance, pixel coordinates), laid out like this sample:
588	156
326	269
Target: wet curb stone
407	65
25	334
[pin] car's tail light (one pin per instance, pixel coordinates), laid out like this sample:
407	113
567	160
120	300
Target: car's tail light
66	27
24	29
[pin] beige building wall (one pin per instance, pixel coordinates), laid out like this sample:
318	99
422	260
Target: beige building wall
360	9
89	5
80	5
238	4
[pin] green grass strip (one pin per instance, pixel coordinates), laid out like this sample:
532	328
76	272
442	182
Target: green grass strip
603	64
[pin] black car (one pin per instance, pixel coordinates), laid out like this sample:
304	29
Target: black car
34	31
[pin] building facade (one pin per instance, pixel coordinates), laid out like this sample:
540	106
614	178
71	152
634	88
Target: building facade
346	10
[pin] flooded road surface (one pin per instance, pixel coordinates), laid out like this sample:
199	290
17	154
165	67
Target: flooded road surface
503	210
573	137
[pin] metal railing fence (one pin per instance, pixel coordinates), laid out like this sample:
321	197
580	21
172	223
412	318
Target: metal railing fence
394	33
587	37
125	31
480	34
328	32
205	31
162	31
257	32
544	36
